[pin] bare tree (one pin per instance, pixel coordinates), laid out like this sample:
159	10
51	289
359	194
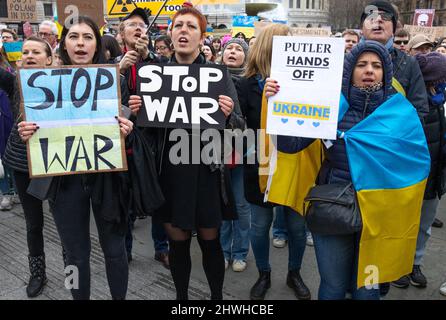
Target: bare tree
346	14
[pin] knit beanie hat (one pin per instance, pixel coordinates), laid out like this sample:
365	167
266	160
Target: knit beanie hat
225	39
433	67
382	5
240	42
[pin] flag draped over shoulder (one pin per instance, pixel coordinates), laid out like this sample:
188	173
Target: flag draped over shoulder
288	177
389	164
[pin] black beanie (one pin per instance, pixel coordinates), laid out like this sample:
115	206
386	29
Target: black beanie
383	6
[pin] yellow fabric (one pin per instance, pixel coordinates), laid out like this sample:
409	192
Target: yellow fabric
14	56
391	220
294	174
398	87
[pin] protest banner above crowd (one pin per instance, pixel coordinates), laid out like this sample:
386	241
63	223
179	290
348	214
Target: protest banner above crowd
75	109
179	96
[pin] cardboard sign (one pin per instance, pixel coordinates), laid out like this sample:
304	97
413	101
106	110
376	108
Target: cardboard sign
121	8
181	96
432	33
22	10
424	17
309	72
311	32
13	50
93	9
75	108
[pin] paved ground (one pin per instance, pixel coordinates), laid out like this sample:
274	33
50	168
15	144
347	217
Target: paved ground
150	281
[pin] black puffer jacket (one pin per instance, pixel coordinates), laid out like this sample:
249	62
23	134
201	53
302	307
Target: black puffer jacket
335	168
435	129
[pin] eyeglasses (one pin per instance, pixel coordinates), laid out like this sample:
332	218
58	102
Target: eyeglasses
135	25
385	16
6	37
161	48
401	42
44	34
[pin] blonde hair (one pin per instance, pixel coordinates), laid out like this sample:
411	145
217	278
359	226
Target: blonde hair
259	57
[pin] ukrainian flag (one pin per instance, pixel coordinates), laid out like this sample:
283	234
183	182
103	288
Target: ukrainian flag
284	178
389	164
13	50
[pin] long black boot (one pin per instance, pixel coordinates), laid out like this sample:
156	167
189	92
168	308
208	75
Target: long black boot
38	278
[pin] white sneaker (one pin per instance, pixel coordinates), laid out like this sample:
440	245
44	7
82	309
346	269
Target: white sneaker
443	289
279	243
239	265
6	203
226	264
310	240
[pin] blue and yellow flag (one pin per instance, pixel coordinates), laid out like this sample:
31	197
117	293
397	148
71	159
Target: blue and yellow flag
287	178
13	50
389	164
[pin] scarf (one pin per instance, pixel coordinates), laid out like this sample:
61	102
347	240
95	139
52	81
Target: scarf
132	78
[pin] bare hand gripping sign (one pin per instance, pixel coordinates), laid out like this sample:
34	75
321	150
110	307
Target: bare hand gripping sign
181	96
75	108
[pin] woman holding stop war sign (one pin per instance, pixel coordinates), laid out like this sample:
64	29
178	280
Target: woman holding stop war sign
71	196
194	193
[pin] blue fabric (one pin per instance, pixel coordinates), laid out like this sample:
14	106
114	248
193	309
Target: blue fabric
337	261
159	237
428	212
6	121
439	98
261	221
279	224
383	153
234	234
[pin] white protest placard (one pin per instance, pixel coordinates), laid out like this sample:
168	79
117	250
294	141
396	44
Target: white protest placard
309	72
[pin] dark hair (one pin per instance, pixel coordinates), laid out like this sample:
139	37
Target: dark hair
111	44
402	33
14	34
214	55
202	22
48	50
166	39
240	34
98	56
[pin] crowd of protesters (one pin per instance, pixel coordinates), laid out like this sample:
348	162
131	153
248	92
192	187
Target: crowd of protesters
192	199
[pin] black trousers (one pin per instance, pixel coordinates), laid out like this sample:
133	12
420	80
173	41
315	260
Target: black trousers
71	211
32	208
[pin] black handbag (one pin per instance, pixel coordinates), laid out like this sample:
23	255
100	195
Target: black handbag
332	209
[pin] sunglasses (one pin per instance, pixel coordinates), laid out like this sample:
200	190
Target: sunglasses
401	42
385	16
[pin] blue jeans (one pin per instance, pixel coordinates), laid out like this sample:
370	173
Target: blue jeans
7	183
337	260
428	212
159	237
234	235
261	220
279	224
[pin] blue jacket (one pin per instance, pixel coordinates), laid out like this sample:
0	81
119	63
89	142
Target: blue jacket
335	167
